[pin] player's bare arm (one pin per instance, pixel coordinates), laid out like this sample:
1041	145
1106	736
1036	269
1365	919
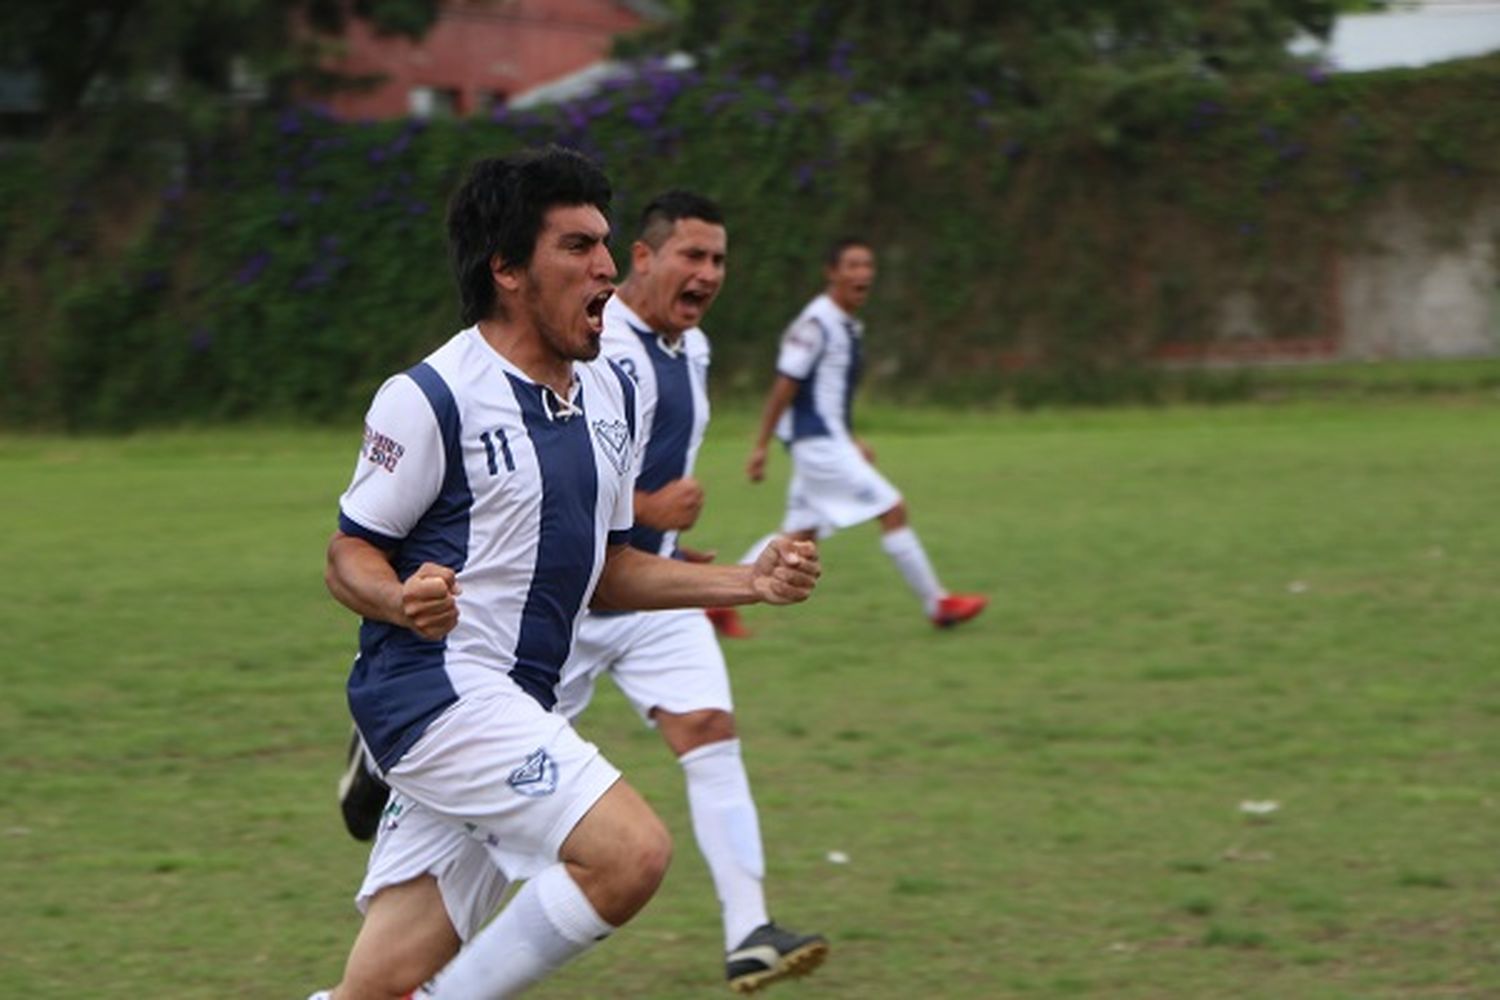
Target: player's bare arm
361	578
674	507
783	391
785	573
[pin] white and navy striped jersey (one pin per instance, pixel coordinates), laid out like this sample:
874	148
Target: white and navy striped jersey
470	464
822	350
673	394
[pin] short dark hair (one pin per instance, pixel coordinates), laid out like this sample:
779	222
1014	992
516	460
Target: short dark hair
498	210
668	208
837	247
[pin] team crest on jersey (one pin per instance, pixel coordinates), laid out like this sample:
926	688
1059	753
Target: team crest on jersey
614	438
536	777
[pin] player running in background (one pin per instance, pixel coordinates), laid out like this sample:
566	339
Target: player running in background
491	503
668	663
834	482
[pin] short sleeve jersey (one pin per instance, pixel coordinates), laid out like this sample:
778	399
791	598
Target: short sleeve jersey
822	349
470	464
672	381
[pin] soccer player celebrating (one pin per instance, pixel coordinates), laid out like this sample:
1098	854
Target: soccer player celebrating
667	663
491	503
834	481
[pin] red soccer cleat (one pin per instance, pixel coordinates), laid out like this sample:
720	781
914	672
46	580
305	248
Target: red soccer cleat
957	608
727	622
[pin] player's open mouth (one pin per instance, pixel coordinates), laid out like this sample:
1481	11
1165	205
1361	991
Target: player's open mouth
594	308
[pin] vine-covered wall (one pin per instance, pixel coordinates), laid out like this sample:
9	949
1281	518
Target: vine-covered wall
286	270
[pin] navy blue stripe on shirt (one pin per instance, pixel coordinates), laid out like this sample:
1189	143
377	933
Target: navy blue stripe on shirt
565	543
851	381
627	389
671	431
806	421
398	684
349	526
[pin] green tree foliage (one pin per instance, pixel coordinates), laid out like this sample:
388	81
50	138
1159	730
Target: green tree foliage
187	56
1025	52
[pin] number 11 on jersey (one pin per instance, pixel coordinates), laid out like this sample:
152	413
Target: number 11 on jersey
489	451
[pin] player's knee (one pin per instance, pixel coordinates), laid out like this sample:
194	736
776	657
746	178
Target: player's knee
653	855
642	862
895	518
687	732
713	726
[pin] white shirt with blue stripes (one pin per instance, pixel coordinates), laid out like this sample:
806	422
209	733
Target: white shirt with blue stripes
470	464
672	381
822	349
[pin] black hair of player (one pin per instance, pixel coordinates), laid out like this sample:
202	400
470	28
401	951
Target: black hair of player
662	214
499	211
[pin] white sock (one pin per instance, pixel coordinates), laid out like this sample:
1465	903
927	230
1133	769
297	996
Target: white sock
905	550
754	551
728	833
549	922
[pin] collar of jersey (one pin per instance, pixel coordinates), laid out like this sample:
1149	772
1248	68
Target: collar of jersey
638	326
552	404
851	323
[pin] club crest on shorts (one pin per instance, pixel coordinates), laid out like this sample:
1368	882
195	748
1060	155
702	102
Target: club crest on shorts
614	438
536	777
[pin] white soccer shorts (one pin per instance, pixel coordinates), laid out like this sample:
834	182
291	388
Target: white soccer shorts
659	659
413	842
833	486
486	796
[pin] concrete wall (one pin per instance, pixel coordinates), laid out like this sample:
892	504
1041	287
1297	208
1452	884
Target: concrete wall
1419	292
1416	289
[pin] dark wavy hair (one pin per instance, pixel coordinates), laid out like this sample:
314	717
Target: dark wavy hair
498	210
664	211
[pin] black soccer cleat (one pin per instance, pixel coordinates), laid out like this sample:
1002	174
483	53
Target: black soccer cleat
770	953
362	794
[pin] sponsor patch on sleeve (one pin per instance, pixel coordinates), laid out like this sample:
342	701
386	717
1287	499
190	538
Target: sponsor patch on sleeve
799	336
382	450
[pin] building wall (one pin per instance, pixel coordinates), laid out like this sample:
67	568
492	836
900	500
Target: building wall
1414	289
479	53
1417	292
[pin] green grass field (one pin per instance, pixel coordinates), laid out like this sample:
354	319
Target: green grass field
1193	608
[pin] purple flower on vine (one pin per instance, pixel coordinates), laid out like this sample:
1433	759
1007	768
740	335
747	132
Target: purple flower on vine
718	102
838	60
252	268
